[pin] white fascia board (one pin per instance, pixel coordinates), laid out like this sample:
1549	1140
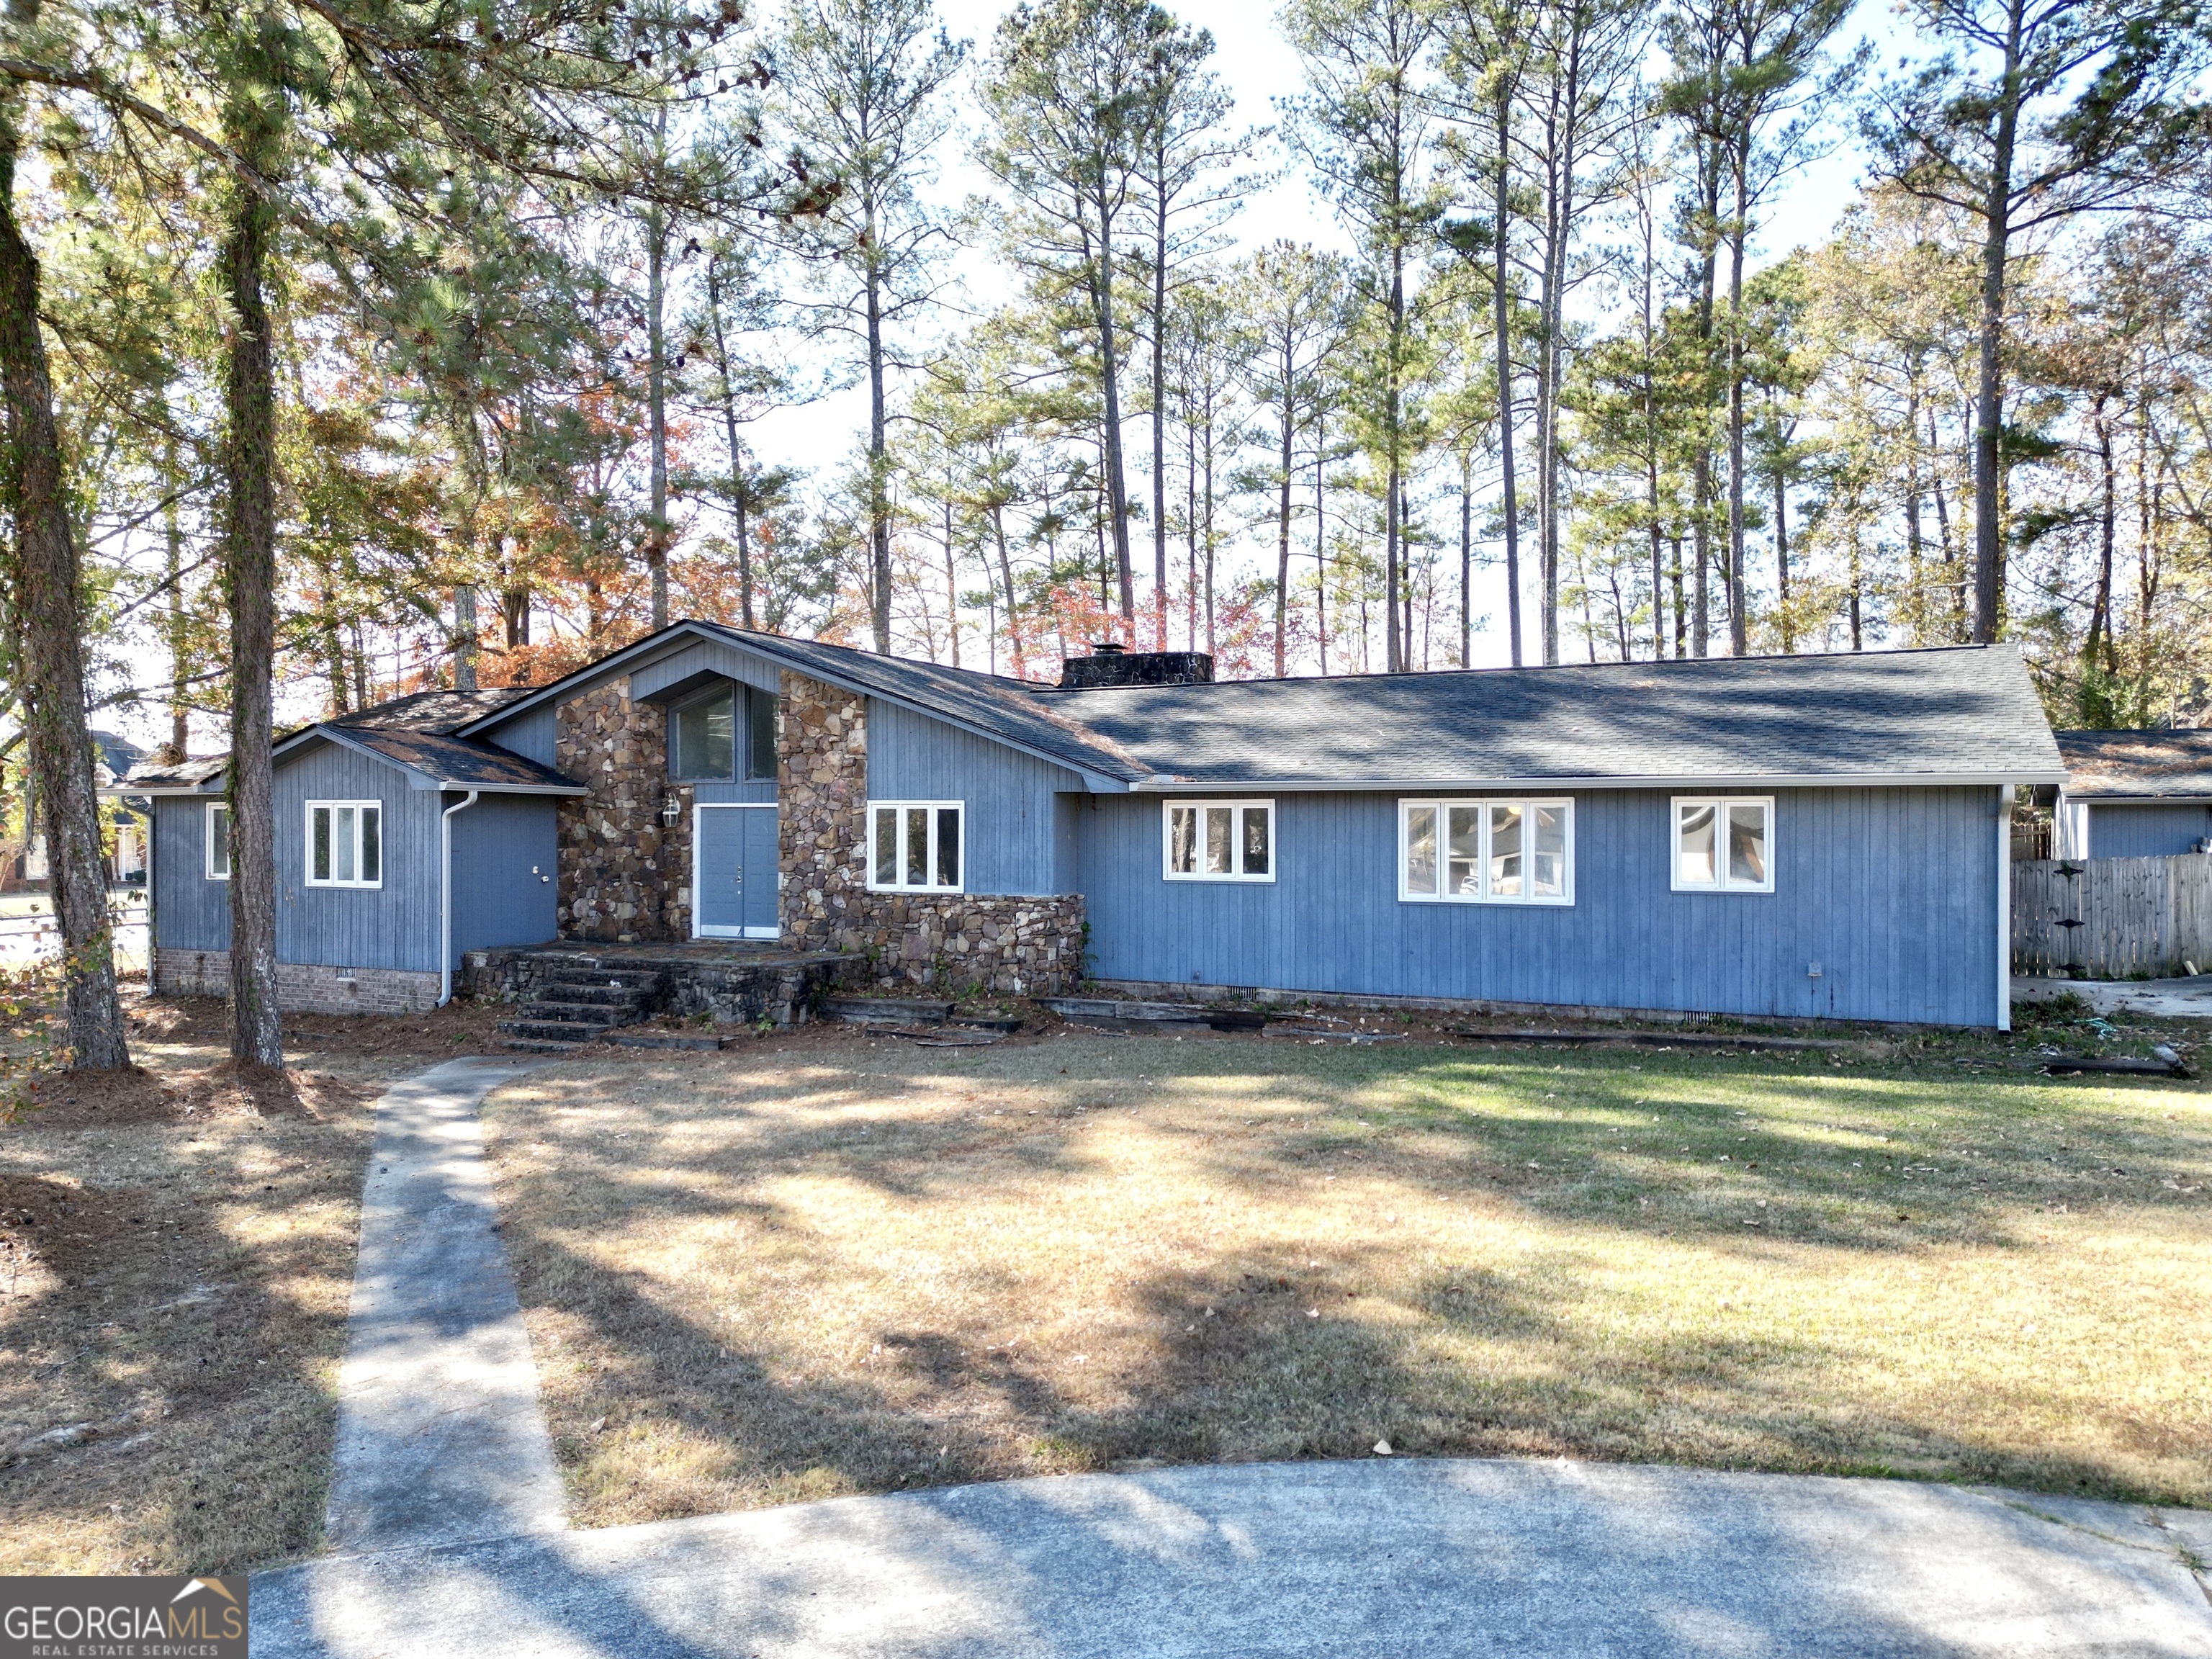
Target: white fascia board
134	791
1157	785
2138	801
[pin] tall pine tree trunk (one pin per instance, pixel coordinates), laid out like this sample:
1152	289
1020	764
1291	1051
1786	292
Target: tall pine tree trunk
1283	517
1160	405
52	620
1739	624
1988	397
1396	647
1502	326
656	397
1702	489
738	486
253	116
1117	482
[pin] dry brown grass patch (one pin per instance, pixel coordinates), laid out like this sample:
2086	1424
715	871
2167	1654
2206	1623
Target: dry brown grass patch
823	1265
176	1258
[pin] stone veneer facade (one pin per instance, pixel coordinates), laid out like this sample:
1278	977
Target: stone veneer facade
625	879
956	942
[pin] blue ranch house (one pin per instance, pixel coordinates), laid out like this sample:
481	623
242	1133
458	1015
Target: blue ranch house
1796	836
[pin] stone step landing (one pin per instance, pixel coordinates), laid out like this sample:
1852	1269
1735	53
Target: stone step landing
566	995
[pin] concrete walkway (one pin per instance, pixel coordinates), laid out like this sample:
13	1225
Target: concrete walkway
440	1439
447	1519
1397	1558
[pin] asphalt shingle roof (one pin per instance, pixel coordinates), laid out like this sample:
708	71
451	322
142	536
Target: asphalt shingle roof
184	774
459	760
1878	715
1014	711
414	731
2137	765
440	711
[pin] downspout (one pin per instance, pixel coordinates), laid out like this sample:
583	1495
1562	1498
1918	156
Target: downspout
2004	907
446	897
153	978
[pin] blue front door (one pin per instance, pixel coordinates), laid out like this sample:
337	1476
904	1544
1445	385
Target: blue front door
734	872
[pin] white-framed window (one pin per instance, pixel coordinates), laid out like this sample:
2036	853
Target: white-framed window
1517	851
917	846
1217	840
345	843
218	841
1723	844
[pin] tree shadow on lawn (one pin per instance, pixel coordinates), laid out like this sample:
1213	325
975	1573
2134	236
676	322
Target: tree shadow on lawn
1253	1354
1681	1144
168	1384
1725	1147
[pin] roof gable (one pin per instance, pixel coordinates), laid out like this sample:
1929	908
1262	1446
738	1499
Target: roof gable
1006	711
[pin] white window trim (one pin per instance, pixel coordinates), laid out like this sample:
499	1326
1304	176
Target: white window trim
1527	803
1169	873
308	847
213	841
930	863
1721	882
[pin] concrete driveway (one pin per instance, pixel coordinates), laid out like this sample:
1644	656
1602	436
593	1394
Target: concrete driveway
1396	1557
2169	999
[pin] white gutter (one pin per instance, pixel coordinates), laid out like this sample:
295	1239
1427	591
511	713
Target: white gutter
2004	907
446	897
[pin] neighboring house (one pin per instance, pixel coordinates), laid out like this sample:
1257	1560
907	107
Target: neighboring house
1780	836
114	756
2134	794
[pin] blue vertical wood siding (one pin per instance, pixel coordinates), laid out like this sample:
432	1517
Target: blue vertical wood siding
1014	824
2156	830
497	898
705	656
1892	891
528	734
394	925
190	912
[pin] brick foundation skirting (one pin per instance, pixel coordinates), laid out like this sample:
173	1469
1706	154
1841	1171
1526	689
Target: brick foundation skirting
301	987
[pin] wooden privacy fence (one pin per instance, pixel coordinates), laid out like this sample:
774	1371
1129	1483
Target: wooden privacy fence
2111	918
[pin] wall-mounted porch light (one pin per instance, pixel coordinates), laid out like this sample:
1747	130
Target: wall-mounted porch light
671	810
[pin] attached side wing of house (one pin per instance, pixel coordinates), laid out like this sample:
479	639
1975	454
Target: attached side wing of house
398	847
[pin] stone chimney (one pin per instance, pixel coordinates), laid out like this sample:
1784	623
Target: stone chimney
1111	663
